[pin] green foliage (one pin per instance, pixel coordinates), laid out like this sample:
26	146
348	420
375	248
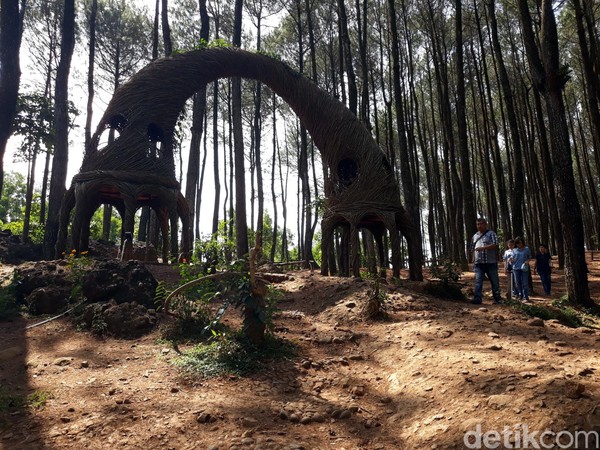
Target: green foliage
273	297
160	294
99	325
376	306
270	54
79	265
232	355
12	202
219	43
212	252
96	225
38	399
122	39
560	310
8	300
445	270
9	401
203	44
191	310
12	208
35	123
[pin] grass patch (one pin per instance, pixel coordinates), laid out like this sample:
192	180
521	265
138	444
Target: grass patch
232	354
559	310
9	402
183	331
38	399
9	307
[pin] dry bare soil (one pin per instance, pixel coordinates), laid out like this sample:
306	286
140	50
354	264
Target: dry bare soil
432	371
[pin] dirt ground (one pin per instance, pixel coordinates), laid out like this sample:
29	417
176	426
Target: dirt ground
432	372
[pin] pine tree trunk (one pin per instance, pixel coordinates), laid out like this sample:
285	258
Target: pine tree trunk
61	125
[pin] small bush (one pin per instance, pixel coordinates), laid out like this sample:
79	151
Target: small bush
448	291
375	306
232	354
446	270
9	306
8	303
8	401
38	399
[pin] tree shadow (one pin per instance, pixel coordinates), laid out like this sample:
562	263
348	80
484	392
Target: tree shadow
15	389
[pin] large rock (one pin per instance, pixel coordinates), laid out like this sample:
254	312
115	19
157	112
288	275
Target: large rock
48	286
122	281
35	275
15	251
125	320
48	299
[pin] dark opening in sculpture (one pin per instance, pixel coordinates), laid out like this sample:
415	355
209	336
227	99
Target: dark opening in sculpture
347	171
126	175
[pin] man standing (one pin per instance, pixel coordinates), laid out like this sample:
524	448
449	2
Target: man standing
485	261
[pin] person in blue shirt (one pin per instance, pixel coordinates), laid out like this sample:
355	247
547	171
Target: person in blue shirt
542	267
485	261
520	262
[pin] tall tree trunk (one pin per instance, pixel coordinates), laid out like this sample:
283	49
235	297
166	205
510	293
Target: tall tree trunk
463	141
257	146
215	130
547	78
90	78
61	126
592	79
273	167
241	226
518	187
409	187
44	192
10	71
106	219
29	194
346	45
193	169
215	123
166	29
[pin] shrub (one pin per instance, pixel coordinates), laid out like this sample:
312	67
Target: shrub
232	354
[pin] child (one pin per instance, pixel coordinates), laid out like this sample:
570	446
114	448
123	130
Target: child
542	267
508	269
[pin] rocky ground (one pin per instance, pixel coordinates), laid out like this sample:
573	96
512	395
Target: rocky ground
433	371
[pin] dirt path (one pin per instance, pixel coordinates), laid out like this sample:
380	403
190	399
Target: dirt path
420	380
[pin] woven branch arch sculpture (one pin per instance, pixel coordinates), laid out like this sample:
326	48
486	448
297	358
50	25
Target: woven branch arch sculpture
130	172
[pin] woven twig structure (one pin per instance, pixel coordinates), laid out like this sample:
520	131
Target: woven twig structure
131	171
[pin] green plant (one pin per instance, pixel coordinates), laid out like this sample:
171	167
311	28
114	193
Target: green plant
559	310
8	300
99	325
9	401
160	294
232	354
38	399
79	265
376	301
445	270
449	273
